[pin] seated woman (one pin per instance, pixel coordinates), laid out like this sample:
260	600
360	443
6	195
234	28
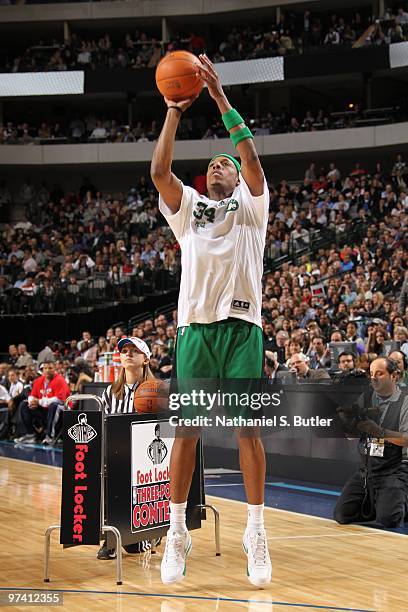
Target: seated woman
118	398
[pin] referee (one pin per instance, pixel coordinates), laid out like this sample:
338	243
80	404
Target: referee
118	399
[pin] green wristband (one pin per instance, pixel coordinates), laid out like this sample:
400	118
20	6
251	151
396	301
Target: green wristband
240	135
231	119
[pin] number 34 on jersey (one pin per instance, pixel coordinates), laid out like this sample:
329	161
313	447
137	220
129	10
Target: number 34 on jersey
205	213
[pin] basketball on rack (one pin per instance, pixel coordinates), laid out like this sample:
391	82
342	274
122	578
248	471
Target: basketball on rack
151	396
178	76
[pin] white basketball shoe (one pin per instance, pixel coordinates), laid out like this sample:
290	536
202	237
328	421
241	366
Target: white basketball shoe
173	565
259	567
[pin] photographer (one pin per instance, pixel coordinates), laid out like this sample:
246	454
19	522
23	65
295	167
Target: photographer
378	491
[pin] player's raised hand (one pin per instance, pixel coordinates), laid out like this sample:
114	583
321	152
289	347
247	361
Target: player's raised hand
181	104
210	76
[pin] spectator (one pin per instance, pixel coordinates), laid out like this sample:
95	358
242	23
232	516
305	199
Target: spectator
102	346
14	391
348	368
319	355
401	335
24	358
332	37
13	354
99	131
402	17
376	341
15	384
402	362
299	363
47	353
40	412
351	336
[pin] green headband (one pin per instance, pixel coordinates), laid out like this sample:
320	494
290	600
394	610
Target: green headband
234	161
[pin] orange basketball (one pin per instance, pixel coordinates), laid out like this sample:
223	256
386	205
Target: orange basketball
151	396
178	77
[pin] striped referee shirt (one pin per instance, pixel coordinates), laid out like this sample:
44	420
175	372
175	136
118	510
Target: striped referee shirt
115	406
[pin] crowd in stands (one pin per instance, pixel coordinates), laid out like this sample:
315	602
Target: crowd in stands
83	241
293	33
336	260
69	240
136	50
311	31
78	130
93	129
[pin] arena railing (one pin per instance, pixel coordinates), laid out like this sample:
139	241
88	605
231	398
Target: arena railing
86	294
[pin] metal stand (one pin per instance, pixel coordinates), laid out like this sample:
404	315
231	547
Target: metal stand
216	527
153	546
47	537
114	530
118	537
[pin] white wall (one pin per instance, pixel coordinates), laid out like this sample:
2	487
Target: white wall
267	146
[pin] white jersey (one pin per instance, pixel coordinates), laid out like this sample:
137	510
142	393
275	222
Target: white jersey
222	248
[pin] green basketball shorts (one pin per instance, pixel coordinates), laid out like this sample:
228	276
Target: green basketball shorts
217	358
226	349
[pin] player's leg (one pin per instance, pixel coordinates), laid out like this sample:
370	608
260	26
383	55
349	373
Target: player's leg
182	464
194	360
253	466
243	358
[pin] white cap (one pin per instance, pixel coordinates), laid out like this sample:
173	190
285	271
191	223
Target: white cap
138	343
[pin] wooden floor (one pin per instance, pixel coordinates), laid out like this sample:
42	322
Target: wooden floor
316	563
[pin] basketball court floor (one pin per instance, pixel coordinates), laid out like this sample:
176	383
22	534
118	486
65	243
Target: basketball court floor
317	564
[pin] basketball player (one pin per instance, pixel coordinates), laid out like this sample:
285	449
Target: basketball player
222	240
118	398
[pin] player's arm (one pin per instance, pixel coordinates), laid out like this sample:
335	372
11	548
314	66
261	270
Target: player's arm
251	168
166	183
